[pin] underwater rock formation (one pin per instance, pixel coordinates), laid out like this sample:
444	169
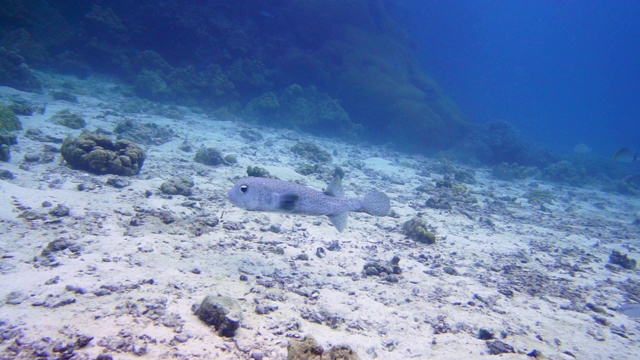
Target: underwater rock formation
8	120
497	142
623	260
180	185
256	171
311	152
9	123
14	72
346	56
309	349
221	312
147	133
68	119
100	155
304	108
210	156
418	230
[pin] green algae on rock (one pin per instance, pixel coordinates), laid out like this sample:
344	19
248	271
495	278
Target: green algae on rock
69	119
8	120
418	230
210	156
311	152
256	171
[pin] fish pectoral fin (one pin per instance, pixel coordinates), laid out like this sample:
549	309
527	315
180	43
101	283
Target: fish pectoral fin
339	220
287	201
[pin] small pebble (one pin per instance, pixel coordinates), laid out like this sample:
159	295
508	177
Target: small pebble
181	338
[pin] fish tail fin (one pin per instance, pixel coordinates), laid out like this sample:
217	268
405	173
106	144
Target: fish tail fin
339	220
376	203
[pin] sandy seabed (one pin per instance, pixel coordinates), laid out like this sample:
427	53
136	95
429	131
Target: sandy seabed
534	276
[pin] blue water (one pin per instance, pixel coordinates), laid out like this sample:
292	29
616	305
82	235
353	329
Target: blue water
563	72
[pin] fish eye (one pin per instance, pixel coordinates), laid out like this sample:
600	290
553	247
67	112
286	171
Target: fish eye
244	188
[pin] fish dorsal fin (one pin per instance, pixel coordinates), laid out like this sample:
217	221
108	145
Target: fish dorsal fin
287	201
335	188
339	220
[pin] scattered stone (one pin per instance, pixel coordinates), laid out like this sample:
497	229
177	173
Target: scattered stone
309	169
437	202
30	215
98	154
6	174
8	120
418	230
68	119
64	96
181	338
320	252
624	261
342	352
222	312
465	176
53	280
302	257
90	184
5	153
265	309
76	289
334	245
180	185
165	216
498	347
60	211
277	250
31	157
484	334
311	152
47	257
15	298
210	156
118	182
385	270
308	349
534	353
305	349
449	270
256	171
38	135
83	340
147	133
186	146
251	135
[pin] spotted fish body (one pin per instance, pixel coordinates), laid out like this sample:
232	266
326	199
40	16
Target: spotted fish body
261	194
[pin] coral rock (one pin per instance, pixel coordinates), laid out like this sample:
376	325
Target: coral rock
98	154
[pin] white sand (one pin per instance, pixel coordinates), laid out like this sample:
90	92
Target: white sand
552	261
